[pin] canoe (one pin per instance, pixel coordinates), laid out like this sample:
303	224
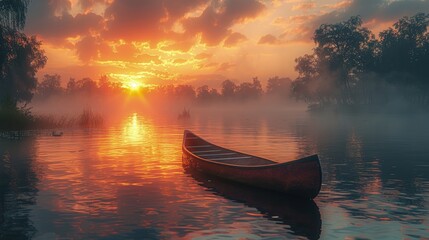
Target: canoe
301	177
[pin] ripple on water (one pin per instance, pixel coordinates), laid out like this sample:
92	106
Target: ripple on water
126	181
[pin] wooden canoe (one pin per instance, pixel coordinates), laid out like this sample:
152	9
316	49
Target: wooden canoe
302	177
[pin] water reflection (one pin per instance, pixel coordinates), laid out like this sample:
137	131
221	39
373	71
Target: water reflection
127	181
303	217
18	191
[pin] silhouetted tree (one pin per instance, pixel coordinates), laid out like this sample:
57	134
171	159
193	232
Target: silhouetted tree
184	92
228	89
86	85
279	87
20	56
205	95
247	90
20	59
350	67
405	47
50	85
13	13
343	51
71	85
105	86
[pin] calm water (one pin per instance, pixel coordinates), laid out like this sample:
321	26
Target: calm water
126	181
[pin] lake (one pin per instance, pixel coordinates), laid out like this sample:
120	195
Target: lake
126	180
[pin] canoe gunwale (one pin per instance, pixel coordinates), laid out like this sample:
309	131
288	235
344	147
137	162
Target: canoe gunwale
274	164
307	184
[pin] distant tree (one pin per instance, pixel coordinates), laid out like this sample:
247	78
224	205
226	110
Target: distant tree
86	85
184	92
228	89
279	87
20	59
104	83
307	85
214	94
247	90
50	85
108	87
205	95
71	85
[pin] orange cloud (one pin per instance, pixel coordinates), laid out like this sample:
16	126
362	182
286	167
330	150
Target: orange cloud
203	56
269	39
218	17
234	39
304	6
226	66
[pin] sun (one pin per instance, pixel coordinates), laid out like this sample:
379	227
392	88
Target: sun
134	85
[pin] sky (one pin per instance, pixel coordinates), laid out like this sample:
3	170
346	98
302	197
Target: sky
198	42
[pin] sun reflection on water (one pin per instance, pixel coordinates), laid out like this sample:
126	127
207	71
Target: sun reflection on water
134	130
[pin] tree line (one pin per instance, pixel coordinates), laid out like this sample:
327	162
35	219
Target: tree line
351	67
50	86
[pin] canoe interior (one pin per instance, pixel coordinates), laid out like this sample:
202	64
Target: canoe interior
209	151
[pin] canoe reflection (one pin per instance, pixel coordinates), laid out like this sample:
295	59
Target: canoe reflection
302	216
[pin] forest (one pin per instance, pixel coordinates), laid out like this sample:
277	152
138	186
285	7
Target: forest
351	68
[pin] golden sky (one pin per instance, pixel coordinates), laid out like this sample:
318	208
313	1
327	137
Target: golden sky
191	41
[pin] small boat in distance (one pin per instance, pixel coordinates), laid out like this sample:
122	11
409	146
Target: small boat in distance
302	177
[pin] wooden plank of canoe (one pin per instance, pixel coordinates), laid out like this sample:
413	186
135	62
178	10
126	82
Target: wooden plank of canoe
229	158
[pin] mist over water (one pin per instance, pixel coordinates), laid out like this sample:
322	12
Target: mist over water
125	179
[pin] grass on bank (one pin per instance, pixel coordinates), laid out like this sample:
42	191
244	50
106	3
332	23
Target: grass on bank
17	119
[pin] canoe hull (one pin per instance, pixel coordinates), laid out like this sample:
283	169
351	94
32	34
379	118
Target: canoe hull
300	177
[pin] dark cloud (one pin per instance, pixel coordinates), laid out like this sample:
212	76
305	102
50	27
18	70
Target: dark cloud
217	18
146	20
379	10
135	20
234	39
52	21
376	11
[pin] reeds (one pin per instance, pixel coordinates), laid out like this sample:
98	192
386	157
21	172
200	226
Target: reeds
16	120
89	119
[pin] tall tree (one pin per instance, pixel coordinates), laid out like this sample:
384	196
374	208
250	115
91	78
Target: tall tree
20	59
20	56
343	52
13	13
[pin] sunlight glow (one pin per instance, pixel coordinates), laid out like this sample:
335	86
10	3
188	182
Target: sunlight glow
133	85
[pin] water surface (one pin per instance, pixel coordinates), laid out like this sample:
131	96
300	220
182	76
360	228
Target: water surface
126	180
